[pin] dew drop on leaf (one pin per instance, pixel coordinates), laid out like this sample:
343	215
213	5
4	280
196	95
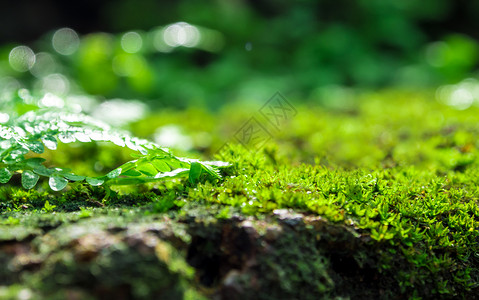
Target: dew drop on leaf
57	183
115	173
129	143
5	133
29	179
117	141
73	177
82	137
5	175
5	144
50	142
42	170
36	146
97	136
94	181
66	137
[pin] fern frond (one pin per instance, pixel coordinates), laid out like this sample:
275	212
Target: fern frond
43	128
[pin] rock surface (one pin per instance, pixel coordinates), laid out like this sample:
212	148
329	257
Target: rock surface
126	255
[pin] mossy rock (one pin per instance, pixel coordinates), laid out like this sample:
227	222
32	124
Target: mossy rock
375	203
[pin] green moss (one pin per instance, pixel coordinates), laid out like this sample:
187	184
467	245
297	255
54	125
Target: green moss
397	171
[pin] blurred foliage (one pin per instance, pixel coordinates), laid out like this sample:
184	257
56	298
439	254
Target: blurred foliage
248	50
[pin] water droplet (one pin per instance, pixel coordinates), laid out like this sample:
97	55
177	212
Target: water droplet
131	42
44	65
181	34
21	58
65	41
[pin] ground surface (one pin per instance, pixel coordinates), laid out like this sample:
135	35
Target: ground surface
370	199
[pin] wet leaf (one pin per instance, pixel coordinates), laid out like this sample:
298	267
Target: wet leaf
5	175
29	179
160	165
147	169
94	181
35	162
36	146
50	142
57	183
115	173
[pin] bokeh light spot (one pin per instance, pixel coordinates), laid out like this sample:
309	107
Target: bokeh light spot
56	84
8	85
26	96
21	58
119	112
459	96
158	41
65	41
172	136
181	34
4	118
131	42
44	64
51	100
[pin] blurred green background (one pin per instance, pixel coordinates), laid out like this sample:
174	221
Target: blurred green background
181	53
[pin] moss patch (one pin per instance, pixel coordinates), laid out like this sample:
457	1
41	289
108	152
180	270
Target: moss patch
379	201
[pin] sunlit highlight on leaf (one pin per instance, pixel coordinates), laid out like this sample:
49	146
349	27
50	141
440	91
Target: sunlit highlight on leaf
44	127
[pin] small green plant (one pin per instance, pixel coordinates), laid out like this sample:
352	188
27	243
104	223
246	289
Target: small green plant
31	128
48	207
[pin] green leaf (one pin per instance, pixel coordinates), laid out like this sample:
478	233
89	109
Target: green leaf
36	146
174	163
72	177
131	173
114	173
66	137
158	153
97	135
142	150
57	183
160	165
82	137
212	171
128	166
117	140
5	175
173	174
130	144
18	153
94	181
200	172
130	180
48	207
37	130
42	170
29	179
35	162
147	169
50	142
195	172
